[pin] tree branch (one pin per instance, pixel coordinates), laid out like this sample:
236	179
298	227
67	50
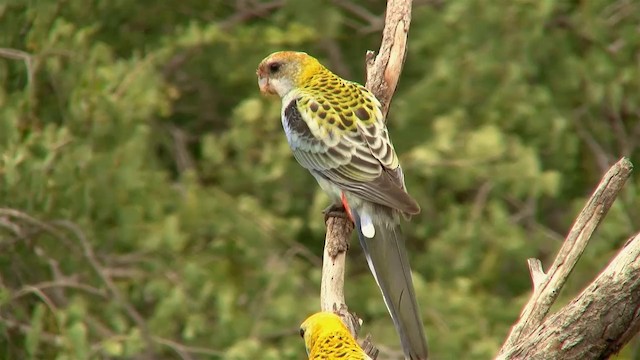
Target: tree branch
383	71
604	317
548	286
333	263
595	325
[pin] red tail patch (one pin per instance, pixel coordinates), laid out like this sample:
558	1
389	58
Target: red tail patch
346	206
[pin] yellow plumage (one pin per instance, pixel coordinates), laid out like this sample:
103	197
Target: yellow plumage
327	338
336	130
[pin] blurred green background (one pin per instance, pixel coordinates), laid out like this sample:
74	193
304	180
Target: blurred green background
151	208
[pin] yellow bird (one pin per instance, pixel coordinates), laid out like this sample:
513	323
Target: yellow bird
337	131
327	338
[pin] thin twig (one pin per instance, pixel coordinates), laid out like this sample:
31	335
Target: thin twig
64	283
254	11
374	22
185	351
47	301
603	158
113	289
8	212
48	337
27	58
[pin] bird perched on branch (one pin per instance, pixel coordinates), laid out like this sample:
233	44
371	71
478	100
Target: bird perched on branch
336	130
326	338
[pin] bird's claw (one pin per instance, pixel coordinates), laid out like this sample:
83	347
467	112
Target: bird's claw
335	210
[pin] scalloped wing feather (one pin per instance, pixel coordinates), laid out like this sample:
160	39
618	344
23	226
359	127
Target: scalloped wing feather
359	159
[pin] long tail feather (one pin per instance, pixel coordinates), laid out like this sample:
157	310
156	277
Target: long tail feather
388	260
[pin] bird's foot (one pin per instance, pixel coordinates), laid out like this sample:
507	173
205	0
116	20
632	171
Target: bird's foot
335	210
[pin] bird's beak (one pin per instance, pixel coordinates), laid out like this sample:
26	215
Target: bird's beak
263	82
264	85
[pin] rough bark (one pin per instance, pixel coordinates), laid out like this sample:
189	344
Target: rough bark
597	323
600	320
546	287
383	70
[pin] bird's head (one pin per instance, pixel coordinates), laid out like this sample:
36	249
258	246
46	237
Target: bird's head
318	326
283	71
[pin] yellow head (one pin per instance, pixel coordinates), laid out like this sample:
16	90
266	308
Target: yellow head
283	71
326	337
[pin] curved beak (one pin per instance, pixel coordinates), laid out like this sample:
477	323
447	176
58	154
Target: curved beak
263	83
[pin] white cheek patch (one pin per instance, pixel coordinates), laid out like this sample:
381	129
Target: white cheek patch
367	228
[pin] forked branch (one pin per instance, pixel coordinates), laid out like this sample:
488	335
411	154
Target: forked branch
597	323
547	286
601	319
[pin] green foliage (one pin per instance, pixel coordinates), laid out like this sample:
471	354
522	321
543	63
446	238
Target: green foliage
151	208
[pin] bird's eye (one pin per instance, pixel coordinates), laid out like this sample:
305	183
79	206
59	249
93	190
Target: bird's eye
302	333
274	67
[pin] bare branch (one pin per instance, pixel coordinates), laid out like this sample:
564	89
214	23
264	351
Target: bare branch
48	337
28	59
603	158
374	22
111	286
185	351
64	283
595	325
547	287
251	12
333	263
384	70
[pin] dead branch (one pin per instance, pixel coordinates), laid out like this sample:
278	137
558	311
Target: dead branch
25	329
115	292
548	286
250	11
17	222
598	322
28	59
383	70
333	263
